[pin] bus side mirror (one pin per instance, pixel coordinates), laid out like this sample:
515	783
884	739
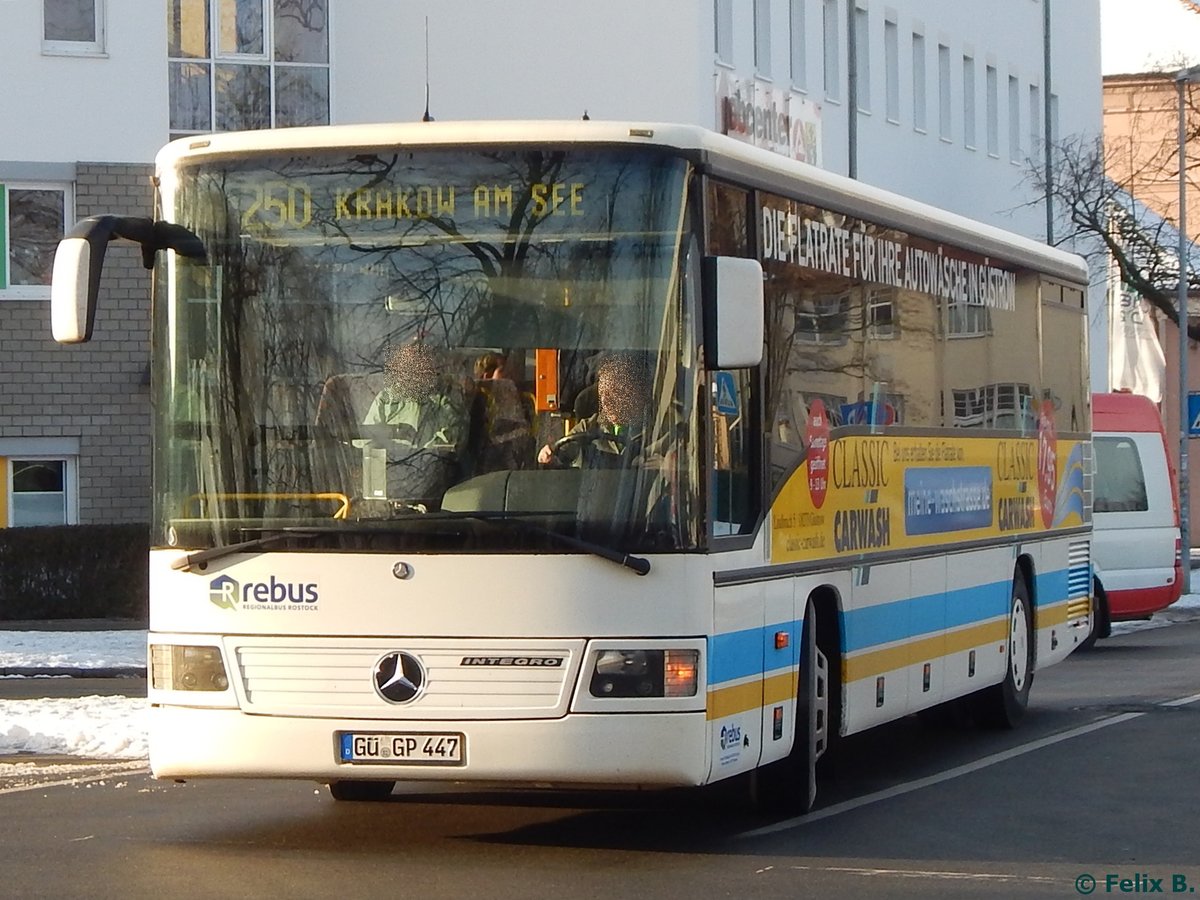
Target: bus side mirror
732	289
79	261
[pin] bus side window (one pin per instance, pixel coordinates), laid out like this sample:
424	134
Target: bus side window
733	470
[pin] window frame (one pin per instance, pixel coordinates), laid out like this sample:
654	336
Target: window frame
920	100
9	291
220	65
762	39
831	66
891	68
64	450
723	31
94	48
797	49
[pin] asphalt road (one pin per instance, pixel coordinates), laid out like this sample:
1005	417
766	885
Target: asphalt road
1099	783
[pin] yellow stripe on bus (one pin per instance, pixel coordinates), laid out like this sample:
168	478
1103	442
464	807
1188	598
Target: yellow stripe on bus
1052	615
742	698
868	665
781	688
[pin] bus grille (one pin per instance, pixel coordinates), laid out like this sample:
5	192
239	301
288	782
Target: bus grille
493	681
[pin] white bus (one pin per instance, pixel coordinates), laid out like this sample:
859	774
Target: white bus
849	482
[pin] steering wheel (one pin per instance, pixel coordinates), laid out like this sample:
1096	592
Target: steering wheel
582	440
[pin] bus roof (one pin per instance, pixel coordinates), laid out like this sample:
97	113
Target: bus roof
719	154
1122	411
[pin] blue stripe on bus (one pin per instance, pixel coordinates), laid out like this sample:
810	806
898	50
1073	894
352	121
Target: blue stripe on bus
740	654
921	616
1053	585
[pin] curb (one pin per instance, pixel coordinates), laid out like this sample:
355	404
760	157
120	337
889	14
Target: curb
73	672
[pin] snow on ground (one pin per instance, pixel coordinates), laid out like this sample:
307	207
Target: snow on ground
93	727
78	649
115	727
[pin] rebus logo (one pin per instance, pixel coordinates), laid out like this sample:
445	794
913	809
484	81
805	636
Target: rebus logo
223	592
228	593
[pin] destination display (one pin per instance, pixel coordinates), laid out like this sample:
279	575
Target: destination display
301	203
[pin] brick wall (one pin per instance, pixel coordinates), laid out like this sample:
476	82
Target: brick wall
98	391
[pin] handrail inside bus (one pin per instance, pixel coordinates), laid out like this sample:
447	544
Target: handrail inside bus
342	512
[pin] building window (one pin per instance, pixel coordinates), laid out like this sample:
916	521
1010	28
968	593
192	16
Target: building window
723	30
968	98
862	58
833	70
73	27
1014	119
968	319
918	82
992	109
944	121
823	320
798	56
881	314
891	63
236	64
762	37
993	406
1035	123
32	221
37	492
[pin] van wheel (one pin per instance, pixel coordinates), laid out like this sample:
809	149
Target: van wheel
1101	626
1003	705
361	791
789	785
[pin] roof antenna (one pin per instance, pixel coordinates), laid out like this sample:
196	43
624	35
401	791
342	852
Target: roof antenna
427	117
586	117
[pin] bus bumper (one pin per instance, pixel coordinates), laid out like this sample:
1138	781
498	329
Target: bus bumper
610	750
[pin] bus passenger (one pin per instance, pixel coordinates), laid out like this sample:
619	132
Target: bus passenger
502	419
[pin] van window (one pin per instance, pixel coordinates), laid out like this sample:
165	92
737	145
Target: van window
1120	485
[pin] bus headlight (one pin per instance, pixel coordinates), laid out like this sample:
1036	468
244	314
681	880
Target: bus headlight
177	667
645	673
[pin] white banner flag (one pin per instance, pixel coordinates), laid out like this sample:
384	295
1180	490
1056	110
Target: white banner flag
1135	357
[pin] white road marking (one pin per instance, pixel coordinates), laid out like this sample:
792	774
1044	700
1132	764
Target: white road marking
920	783
934	874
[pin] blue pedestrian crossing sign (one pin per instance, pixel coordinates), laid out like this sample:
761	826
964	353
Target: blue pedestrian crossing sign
727	398
1194	415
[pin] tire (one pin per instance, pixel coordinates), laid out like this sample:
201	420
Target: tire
1101	627
789	785
1003	705
361	791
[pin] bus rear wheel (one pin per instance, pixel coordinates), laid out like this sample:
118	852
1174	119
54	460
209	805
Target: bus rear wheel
790	784
1003	705
360	791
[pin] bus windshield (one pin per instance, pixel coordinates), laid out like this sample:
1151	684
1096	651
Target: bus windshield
461	349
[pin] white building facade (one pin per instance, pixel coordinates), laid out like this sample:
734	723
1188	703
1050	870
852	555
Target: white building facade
942	100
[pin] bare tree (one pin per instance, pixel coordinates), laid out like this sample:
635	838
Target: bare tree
1098	194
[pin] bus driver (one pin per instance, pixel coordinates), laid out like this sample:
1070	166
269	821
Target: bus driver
623	385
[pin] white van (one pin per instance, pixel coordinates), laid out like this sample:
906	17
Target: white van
1136	538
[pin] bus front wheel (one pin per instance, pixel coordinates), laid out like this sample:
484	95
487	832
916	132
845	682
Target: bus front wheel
361	790
790	784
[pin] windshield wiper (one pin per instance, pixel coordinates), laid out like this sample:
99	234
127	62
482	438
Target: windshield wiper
200	557
638	564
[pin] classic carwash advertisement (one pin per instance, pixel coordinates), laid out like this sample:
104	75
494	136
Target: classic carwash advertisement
860	494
